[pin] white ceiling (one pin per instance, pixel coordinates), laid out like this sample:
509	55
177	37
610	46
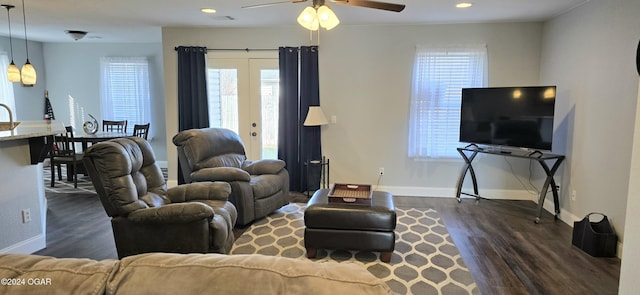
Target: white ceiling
141	20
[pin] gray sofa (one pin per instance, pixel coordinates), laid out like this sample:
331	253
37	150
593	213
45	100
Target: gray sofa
164	273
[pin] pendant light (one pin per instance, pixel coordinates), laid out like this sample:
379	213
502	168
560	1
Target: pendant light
12	72
28	71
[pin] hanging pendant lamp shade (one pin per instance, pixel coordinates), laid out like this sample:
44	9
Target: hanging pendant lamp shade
28	72
13	73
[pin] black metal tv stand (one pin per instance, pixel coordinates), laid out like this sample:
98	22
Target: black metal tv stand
469	153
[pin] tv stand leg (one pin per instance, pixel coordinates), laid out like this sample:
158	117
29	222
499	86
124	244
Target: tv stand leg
467	168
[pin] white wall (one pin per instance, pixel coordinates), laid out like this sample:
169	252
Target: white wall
365	74
629	283
74	69
589	53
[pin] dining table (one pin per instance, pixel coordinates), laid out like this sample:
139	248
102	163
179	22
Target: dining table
85	139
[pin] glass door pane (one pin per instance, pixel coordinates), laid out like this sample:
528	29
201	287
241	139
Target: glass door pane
270	93
223	98
243	96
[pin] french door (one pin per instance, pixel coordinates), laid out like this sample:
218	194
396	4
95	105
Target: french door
243	96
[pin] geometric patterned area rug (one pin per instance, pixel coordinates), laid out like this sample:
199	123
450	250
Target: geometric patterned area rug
425	260
64	186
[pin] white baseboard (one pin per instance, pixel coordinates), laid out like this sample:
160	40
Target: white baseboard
413	191
28	246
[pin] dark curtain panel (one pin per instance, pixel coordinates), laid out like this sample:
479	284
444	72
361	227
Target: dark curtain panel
289	117
310	148
192	91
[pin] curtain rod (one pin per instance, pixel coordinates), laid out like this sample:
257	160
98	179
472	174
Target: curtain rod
241	49
238	49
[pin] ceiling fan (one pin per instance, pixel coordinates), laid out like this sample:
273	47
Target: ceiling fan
361	3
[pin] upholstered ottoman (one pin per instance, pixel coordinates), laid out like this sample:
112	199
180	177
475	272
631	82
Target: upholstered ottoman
350	226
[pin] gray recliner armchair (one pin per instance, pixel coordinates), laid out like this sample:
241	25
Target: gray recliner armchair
148	217
215	154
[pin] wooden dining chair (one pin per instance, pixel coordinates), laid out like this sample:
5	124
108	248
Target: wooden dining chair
64	152
141	130
114	126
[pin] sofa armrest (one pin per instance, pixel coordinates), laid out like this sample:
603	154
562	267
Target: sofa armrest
264	166
172	213
220	174
216	190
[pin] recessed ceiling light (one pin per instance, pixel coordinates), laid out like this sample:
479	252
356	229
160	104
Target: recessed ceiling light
464	4
208	10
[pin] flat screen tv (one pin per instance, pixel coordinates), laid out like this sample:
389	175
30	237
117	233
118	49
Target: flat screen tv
519	117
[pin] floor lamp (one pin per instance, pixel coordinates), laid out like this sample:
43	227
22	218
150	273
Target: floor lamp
316	167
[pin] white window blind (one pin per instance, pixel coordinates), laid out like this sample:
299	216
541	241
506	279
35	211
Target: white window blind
125	91
6	89
439	74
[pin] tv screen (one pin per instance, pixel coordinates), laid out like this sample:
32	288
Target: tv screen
508	116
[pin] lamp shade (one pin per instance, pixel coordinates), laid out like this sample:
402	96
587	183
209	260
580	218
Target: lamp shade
315	117
327	18
13	73
28	74
308	18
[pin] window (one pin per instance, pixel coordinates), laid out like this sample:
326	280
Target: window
439	74
125	89
6	89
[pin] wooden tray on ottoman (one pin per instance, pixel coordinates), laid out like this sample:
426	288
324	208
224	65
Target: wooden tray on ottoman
358	194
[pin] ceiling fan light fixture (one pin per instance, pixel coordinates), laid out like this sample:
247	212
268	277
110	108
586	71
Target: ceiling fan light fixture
308	19
312	19
327	18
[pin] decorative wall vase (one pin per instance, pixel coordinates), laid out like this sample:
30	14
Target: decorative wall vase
90	127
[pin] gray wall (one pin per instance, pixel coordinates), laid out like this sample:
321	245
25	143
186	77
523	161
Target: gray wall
590	54
74	69
365	80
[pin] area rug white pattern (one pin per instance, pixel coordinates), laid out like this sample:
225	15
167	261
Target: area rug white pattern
425	261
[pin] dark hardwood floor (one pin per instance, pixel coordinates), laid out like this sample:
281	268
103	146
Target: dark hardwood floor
505	251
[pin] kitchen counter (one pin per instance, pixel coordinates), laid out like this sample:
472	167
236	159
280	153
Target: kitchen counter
30	129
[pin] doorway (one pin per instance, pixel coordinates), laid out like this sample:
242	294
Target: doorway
243	96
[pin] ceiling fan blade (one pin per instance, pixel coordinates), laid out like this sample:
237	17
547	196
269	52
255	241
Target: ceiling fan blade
372	4
273	3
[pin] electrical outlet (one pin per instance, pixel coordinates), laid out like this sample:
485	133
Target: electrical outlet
573	195
26	215
381	170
